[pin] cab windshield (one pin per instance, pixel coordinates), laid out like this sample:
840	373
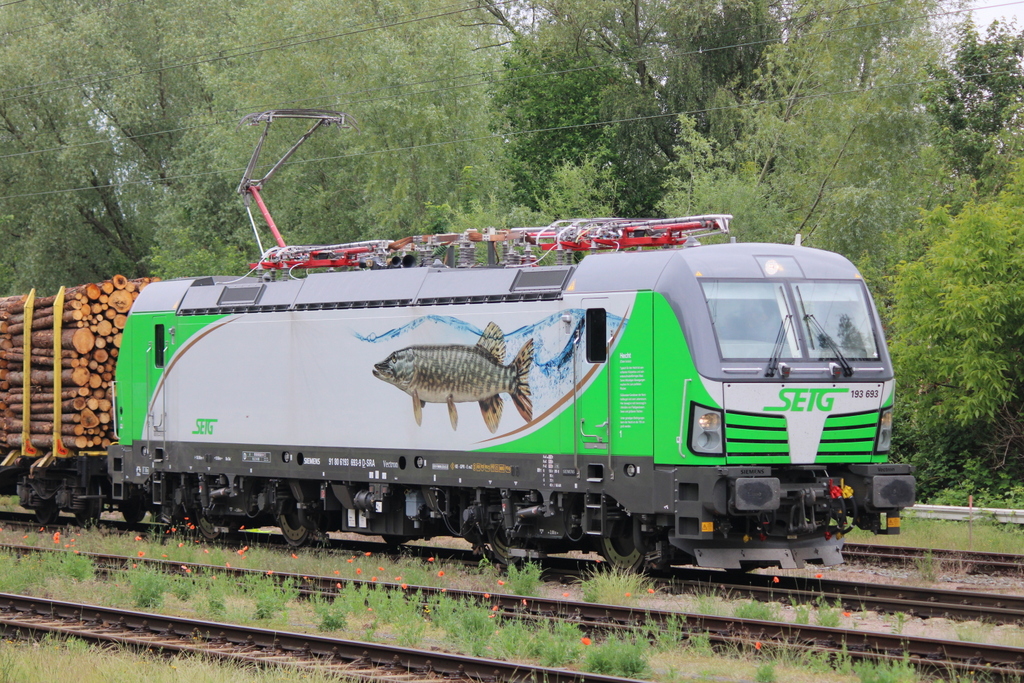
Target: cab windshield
836	314
787	320
751	319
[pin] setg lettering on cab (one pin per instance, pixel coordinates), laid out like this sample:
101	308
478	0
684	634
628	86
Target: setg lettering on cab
806	400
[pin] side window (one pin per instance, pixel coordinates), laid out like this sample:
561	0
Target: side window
158	346
597	335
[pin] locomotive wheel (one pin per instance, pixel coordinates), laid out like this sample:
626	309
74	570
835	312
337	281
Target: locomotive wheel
207	528
294	533
499	550
47	513
620	552
394	541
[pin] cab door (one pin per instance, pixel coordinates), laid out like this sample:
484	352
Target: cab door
592	381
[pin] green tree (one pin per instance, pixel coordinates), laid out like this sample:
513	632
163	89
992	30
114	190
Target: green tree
652	60
548	102
959	322
827	131
90	128
119	142
409	76
977	101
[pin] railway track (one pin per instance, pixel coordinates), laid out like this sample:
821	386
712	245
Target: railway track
961	560
910	600
928	654
26	616
970	562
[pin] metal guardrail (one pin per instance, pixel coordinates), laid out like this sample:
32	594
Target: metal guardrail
963	514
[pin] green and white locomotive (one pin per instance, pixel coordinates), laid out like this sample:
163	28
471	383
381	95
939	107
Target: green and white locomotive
725	405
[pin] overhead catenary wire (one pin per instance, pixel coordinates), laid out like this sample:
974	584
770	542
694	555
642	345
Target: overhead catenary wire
746	105
129	73
338	96
841	10
221	57
5	34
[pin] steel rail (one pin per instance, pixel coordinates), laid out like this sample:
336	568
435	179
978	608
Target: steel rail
927	653
21	614
853	595
914	601
966	560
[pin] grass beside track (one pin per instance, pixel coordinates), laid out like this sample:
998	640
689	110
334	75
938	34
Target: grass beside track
982	535
364	613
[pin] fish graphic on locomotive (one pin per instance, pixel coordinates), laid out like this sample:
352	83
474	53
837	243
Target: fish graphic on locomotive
725	405
459	374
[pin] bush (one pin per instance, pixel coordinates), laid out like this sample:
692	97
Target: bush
762	611
331	613
525	580
625	658
614	587
147	587
270	596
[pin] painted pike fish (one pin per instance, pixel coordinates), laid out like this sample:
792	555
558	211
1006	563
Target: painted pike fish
456	373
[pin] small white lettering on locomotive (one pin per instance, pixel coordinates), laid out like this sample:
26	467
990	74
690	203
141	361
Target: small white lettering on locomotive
255	456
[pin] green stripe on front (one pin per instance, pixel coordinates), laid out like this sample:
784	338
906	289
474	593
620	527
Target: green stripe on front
862	420
733	448
848	434
734	433
847	447
763	421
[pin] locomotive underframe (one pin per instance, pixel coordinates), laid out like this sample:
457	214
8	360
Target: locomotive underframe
520	506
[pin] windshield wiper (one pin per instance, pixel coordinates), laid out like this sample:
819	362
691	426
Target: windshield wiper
825	340
780	340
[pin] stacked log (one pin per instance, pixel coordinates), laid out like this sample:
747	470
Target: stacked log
92	320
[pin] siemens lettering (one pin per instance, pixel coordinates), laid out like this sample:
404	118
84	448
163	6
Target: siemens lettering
806	400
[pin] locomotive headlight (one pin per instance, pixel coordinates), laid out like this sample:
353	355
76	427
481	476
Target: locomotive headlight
884	431
706	430
709	421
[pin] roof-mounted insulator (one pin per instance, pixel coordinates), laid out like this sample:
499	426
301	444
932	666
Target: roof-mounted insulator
519	247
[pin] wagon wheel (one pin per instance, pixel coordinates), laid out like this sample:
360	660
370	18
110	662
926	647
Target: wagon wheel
294	533
133	510
86	518
47	513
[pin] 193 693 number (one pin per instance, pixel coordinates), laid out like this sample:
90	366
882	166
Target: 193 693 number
864	393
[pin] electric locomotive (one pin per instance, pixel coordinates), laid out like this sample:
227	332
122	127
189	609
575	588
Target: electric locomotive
724	405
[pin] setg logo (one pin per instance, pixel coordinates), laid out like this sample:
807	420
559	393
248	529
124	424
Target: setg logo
806	400
204	426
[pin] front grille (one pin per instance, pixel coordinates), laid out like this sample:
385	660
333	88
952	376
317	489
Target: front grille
853	433
751	434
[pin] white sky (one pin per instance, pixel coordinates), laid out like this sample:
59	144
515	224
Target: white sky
987	10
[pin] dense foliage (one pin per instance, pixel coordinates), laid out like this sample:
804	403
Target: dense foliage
842	122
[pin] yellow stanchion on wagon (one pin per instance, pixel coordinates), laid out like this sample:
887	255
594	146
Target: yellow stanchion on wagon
26	382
